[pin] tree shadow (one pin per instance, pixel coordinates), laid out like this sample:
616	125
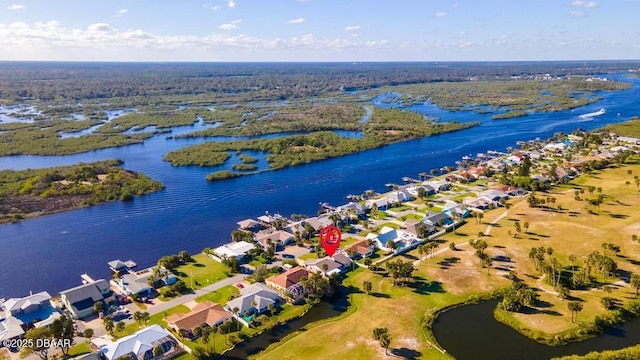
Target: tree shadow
423	287
380	295
619	216
448	262
634	262
199	265
409	256
573	213
406	353
499	247
537	234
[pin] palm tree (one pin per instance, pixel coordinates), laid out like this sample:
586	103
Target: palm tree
575	307
385	341
235	312
635	283
367	286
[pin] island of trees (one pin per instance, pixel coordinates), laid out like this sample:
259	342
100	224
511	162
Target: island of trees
30	193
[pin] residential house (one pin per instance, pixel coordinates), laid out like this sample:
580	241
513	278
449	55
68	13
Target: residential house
249	224
411	227
278	237
438	185
360	249
328	266
400	195
555	147
433	219
493	195
381	204
630	140
428	190
455	209
478	203
254	299
80	299
351	207
239	249
289	282
400	238
22	314
140	345
203	314
138	283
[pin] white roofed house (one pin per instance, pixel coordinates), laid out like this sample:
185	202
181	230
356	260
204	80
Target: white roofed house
80	299
400	238
141	344
438	185
249	224
21	314
239	249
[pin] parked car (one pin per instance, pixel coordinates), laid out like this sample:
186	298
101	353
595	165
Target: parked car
239	285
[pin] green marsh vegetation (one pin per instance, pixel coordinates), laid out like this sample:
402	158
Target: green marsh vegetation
386	126
30	193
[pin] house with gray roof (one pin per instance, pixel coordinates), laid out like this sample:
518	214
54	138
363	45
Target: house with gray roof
254	299
20	314
140	345
80	299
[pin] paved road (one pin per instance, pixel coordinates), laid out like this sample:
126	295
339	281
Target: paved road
154	309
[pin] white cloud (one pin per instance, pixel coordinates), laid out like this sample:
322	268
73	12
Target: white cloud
455	5
212	7
101	28
238	21
228	26
578	14
587	4
441	14
352	28
296	21
123	11
15	7
231	4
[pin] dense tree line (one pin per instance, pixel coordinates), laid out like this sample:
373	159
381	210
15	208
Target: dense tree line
25	192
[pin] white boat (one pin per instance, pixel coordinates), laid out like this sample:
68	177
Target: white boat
593	114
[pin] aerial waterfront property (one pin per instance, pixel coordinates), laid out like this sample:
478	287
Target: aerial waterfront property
382	180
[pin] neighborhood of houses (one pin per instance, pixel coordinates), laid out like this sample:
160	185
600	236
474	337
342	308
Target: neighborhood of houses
375	228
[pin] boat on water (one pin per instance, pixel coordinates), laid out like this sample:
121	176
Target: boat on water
593	114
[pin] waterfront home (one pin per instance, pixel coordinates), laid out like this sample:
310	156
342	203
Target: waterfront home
118	266
239	249
438	185
555	147
436	219
253	300
21	314
141	345
399	196
415	190
356	208
360	249
288	284
278	237
249	225
80	299
203	314
381	204
510	190
141	283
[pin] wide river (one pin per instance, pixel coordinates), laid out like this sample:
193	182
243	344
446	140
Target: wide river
50	252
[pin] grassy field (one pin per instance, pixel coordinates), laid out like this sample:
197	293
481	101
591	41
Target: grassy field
202	271
572	228
220	296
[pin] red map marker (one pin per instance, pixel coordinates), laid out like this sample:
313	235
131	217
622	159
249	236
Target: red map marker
330	237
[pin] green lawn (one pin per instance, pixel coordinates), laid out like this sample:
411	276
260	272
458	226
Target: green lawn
78	349
220	296
202	271
154	319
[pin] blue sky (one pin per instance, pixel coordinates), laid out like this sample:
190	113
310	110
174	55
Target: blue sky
318	30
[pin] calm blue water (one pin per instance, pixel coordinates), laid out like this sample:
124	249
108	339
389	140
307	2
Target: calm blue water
49	253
